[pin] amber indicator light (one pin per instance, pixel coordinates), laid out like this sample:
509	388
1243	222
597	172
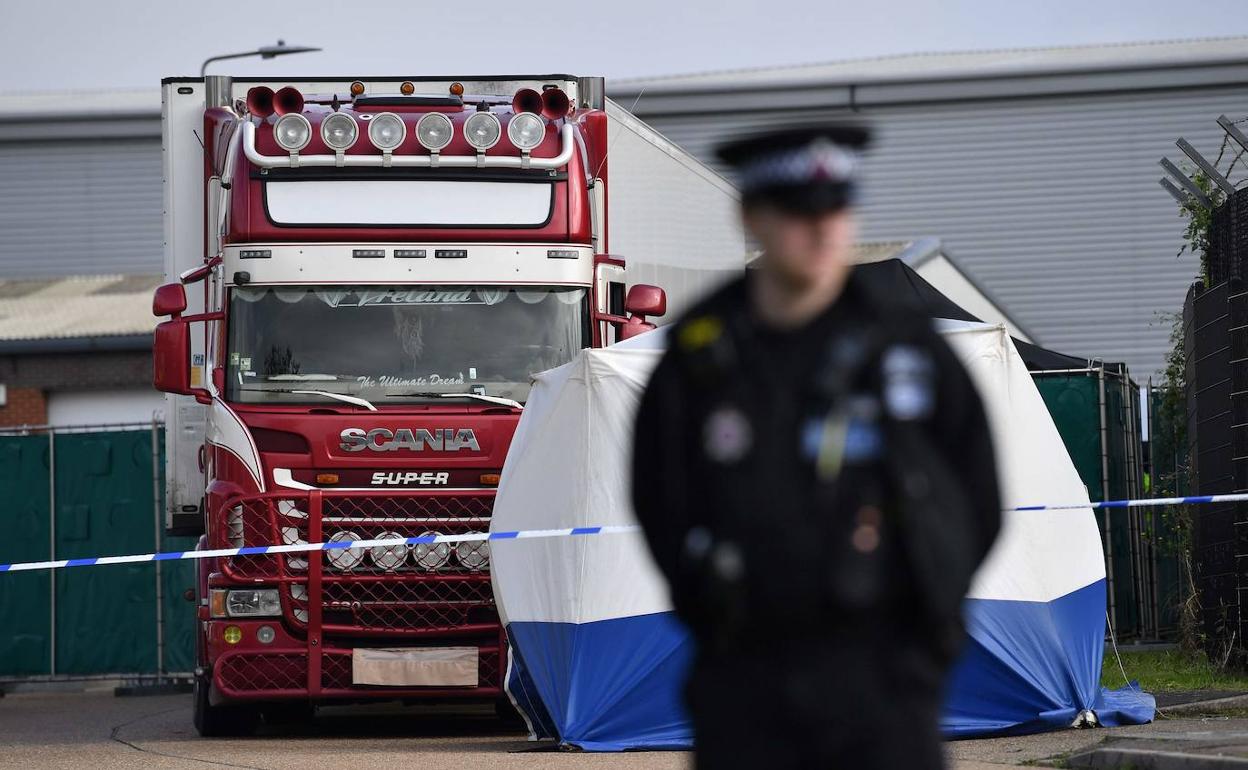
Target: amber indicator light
457	89
407	89
216	603
489	479
357	88
327	478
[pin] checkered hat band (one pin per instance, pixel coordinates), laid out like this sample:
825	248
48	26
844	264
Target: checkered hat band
815	162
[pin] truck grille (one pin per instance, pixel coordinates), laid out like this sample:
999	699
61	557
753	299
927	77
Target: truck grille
398	591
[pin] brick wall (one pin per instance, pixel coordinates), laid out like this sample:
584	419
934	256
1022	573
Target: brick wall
30	377
25	406
77	371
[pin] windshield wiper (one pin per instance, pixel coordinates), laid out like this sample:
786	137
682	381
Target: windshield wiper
340	397
479	396
326	393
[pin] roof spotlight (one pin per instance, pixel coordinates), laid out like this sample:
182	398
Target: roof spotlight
526	131
387	131
292	131
339	132
482	130
434	131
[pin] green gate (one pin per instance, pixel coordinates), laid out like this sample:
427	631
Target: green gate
1096	411
105	487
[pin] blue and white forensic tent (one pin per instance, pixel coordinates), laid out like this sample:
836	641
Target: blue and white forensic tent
597	658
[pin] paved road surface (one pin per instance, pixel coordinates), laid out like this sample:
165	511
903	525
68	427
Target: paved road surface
98	731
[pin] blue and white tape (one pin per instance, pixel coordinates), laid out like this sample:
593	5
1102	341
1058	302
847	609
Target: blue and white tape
1147	502
258	550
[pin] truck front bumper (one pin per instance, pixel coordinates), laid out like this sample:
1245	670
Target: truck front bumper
288	668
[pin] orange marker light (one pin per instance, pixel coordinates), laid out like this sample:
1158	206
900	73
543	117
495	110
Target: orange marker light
216	603
489	479
457	89
327	478
407	89
357	88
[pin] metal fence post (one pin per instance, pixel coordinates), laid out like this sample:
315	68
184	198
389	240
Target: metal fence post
157	519
1108	522
52	550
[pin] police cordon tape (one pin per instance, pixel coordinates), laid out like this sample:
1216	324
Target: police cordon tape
523	534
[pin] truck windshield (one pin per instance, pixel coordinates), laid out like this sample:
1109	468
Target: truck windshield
396	344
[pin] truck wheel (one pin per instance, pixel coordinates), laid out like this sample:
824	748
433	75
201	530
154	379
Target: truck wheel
221	721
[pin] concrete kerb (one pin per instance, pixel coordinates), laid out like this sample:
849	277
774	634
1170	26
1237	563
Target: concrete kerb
1110	757
1206	706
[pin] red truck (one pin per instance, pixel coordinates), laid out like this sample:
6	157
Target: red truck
363	274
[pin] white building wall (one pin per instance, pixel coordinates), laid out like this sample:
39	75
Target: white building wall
96	407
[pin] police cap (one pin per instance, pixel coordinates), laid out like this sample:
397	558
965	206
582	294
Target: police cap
804	170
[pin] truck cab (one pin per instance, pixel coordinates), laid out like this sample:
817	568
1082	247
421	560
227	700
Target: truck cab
362	277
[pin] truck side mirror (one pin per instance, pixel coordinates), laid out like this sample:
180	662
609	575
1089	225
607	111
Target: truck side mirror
644	299
169	300
171	358
634	326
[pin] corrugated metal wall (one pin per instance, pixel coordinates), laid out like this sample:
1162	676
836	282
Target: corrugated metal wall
1051	203
80	206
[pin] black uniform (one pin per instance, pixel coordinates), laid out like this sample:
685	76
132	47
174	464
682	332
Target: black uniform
818	500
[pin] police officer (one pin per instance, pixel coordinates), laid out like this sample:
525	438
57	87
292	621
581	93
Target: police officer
815	477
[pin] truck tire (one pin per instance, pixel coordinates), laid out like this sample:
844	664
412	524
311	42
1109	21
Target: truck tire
221	721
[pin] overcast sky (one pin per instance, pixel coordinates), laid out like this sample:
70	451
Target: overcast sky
53	44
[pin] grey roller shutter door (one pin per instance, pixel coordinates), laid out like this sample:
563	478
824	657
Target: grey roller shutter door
82	206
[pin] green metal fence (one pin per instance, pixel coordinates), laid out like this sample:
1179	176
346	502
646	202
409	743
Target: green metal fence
68	493
1096	411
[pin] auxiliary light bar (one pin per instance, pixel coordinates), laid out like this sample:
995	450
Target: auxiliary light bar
567	144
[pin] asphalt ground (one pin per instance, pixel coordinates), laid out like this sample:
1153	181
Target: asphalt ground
94	729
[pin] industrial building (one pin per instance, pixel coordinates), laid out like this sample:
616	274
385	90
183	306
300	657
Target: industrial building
1036	169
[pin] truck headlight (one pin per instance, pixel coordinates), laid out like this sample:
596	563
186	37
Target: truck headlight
434	131
526	131
245	603
482	130
339	132
344	558
292	131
